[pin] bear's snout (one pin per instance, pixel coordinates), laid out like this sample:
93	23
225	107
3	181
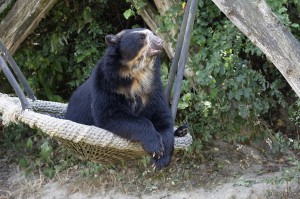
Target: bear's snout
156	45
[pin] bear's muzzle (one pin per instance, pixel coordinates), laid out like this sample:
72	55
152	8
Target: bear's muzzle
156	45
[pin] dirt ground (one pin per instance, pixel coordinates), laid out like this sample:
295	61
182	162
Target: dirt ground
233	171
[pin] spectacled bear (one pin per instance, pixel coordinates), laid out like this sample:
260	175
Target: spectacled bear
124	94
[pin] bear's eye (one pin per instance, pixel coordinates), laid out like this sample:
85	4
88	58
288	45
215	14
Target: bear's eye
142	38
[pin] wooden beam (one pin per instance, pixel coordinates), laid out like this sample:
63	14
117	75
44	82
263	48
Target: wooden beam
21	20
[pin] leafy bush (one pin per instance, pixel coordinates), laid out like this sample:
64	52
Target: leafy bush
236	91
35	151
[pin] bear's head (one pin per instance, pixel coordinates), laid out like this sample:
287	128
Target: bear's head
134	52
136	45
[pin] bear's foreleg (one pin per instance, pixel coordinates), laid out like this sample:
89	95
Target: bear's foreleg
162	122
133	128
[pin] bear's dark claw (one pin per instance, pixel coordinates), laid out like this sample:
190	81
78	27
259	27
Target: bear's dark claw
182	131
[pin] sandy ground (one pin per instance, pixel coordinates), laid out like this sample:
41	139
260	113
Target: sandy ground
250	184
225	191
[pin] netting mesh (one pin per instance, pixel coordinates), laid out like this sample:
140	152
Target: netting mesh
88	142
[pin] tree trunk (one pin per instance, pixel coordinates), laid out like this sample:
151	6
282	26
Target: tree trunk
162	7
255	19
4	4
21	20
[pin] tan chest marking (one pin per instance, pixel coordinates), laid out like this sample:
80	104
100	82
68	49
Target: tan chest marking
140	70
142	75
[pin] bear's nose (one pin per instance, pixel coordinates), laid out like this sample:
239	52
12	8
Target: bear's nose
159	42
156	45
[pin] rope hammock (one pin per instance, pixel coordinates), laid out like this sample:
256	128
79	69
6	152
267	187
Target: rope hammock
87	142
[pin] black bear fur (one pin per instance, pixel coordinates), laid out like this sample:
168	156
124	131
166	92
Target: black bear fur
125	95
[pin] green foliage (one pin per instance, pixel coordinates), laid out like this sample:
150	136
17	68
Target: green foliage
295	113
34	151
62	51
234	87
280	143
288	13
91	169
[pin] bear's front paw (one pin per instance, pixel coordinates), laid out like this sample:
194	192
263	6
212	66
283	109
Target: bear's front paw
164	161
153	145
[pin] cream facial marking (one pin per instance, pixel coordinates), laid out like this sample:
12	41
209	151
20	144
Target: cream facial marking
141	70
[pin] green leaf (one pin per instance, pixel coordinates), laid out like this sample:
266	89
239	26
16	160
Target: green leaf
46	150
23	162
29	143
186	97
241	79
282	10
128	13
244	111
183	105
49	172
80	58
247	92
295	25
207	104
238	95
87	17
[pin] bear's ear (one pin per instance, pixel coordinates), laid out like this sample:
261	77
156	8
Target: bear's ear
111	40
